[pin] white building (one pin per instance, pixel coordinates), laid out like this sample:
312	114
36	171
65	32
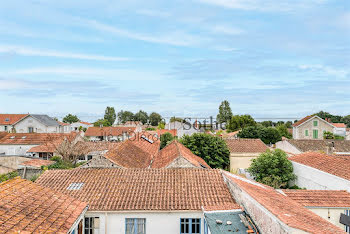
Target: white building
182	128
79	126
321	171
8	120
37	123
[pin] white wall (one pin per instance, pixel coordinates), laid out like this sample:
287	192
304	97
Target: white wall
156	222
287	147
22	126
331	214
312	178
15	149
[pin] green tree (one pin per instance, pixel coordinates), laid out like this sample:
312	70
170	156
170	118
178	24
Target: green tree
225	112
267	123
283	131
326	115
124	116
165	139
176	119
102	122
161	125
346	120
211	148
289	124
155	118
240	121
272	168
141	116
70	119
330	135
267	135
110	115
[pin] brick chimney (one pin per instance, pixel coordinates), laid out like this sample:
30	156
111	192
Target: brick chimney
330	148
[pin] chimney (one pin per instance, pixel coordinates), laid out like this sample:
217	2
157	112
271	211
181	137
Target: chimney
330	148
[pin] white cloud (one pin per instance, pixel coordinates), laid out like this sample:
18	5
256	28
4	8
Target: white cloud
176	38
11	84
28	51
224	29
331	71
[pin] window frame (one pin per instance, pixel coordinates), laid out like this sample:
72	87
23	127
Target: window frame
92	228
135	224
306	132
190	226
315	134
315	123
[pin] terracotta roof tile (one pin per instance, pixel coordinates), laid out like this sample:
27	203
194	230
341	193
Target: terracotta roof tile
10	119
174	150
86	123
320	145
37	163
113	189
128	155
3	134
28	207
287	210
31	138
339	125
162	131
108	131
319	198
302	120
246	145
147	141
335	165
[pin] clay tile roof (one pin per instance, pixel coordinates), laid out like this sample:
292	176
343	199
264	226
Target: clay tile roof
319	198
37	163
117	189
108	131
31	138
246	145
320	145
339	125
128	155
10	119
28	207
173	151
171	131
147	141
287	210
335	165
62	123
2	134
86	123
302	120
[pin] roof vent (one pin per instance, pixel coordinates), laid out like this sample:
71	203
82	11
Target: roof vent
24	137
13	137
219	221
75	186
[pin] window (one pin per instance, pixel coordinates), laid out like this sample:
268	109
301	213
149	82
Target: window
75	186
306	132
7	120
92	225
315	134
190	226
30	129
135	226
315	123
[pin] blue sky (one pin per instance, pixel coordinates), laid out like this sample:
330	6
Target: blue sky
267	58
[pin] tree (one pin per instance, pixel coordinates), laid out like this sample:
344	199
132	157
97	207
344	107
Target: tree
267	135
155	118
240	121
211	148
102	122
267	123
124	116
346	120
161	125
289	124
70	119
110	115
165	139
225	112
326	115
283	131
330	135
176	119
272	168
141	116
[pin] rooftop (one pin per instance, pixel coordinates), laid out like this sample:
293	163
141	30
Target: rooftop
31	208
10	119
115	189
320	145
246	145
45	119
37	163
335	165
302	120
108	131
30	138
287	210
173	151
319	198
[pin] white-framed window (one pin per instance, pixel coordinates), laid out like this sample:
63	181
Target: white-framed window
190	226
91	225
135	226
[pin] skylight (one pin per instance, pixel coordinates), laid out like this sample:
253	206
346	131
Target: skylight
7	120
75	186
13	137
24	137
145	138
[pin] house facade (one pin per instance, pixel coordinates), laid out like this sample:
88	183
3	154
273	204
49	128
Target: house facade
313	127
38	124
7	121
80	126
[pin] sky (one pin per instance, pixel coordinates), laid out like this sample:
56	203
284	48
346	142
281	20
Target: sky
268	58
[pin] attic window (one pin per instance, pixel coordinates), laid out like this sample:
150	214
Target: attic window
7	120
13	137
145	138
75	186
